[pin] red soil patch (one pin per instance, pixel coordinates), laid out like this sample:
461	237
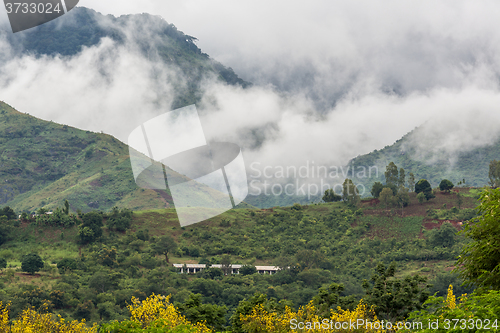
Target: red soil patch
374	207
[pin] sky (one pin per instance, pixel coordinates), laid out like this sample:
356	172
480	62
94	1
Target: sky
333	79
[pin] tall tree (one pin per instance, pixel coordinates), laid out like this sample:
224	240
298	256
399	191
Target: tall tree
401	180
479	262
66	207
494	173
402	197
391	174
376	189
350	193
411	181
164	246
386	197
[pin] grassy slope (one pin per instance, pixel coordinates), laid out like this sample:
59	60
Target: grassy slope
253	229
43	163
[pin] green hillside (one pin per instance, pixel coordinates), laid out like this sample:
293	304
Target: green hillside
322	243
43	163
472	165
156	39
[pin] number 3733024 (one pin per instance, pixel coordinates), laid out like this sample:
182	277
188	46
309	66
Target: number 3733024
33	8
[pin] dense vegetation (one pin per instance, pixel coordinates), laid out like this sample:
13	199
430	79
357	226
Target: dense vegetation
93	276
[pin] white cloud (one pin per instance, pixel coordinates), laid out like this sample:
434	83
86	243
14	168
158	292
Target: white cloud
354	76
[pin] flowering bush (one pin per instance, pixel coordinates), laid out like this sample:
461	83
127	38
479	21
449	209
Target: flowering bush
306	319
31	321
155	314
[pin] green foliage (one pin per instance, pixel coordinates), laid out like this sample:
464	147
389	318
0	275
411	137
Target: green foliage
119	220
479	262
494	173
195	311
411	182
66	264
91	227
164	245
386	197
248	270
424	187
402	178
421	197
8	212
31	263
329	298
446	185
472	313
331	196
394	298
376	189
391	174
444	236
350	193
3	263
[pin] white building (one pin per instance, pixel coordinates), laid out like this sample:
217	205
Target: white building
235	269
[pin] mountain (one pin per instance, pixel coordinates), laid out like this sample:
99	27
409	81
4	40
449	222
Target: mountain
471	164
42	164
152	36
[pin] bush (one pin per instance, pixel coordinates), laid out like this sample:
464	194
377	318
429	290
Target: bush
446	185
31	263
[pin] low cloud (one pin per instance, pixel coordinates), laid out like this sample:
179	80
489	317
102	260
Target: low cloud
333	81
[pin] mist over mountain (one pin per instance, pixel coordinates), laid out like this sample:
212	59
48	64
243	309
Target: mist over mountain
324	91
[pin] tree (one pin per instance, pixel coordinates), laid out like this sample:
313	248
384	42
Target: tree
445	185
401	180
3	263
444	236
425	187
31	263
248	270
391	174
376	189
411	181
66	207
66	264
460	200
479	261
91	227
196	311
421	197
402	198
9	212
386	197
494	173
394	298
329	299
350	193
331	196
164	246
226	264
